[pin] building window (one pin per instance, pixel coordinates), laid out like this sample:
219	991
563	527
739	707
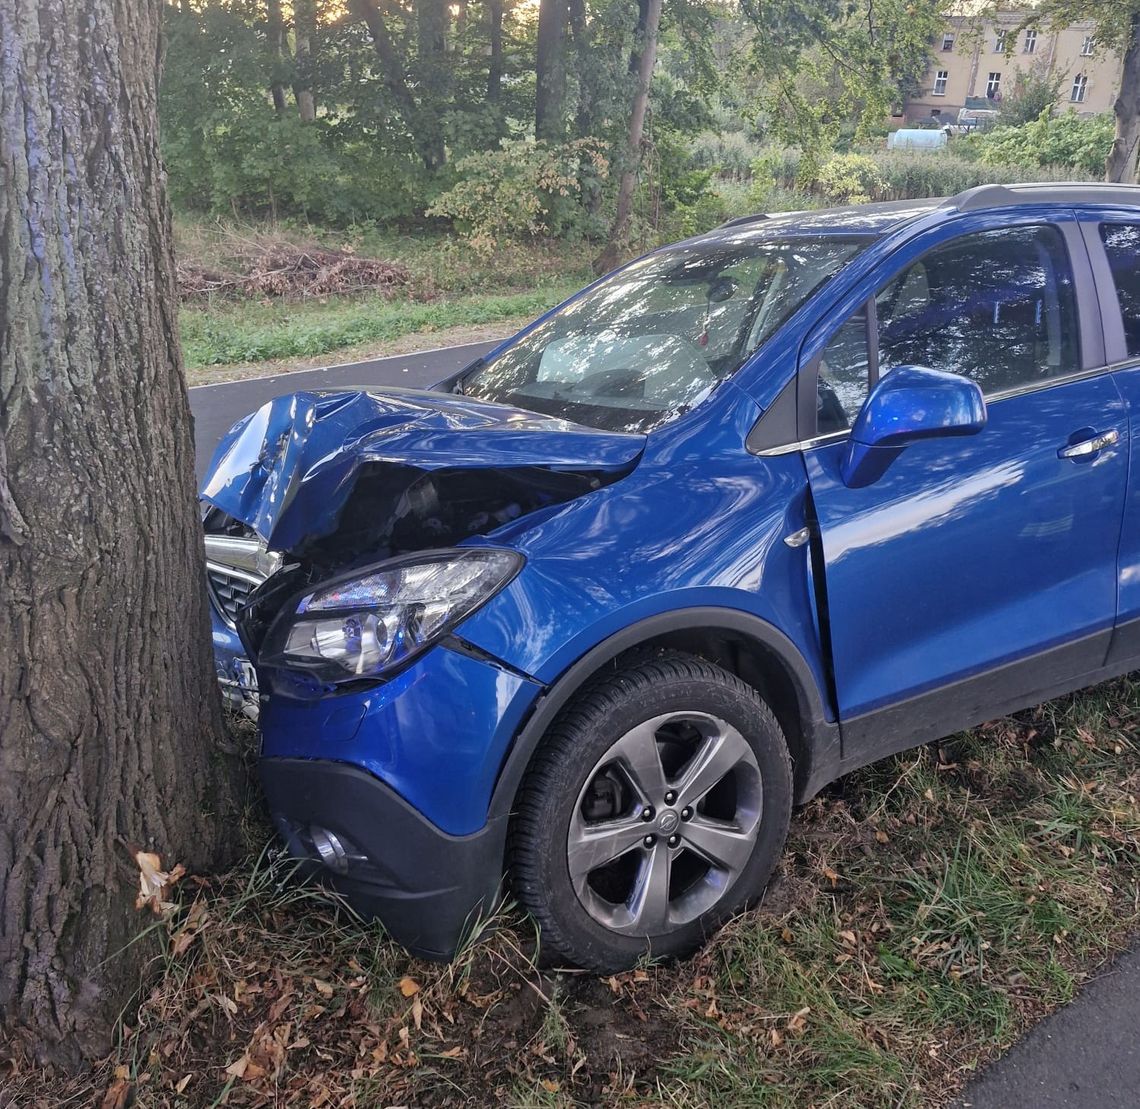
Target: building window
940	79
1030	42
1088	46
1080	88
947	42
993	86
999	41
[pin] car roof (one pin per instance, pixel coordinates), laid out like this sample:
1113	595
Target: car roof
878	219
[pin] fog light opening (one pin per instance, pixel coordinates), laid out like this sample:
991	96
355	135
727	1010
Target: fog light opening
330	849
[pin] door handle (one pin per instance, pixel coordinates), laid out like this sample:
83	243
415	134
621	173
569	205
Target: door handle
1086	448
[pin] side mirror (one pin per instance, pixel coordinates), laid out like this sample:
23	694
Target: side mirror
909	404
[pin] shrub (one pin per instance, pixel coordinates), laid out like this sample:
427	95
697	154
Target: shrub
850	179
1066	141
523	190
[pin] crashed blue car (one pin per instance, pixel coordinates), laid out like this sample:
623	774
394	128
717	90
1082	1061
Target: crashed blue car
586	621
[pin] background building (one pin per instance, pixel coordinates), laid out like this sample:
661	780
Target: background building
969	65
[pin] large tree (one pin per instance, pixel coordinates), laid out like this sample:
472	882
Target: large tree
111	735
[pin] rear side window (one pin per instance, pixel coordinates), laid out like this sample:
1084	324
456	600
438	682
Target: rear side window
998	307
1122	245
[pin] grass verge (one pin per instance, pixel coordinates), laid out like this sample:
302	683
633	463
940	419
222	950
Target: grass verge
256	331
927	910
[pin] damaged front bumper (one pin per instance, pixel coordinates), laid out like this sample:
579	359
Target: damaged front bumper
428	888
386	792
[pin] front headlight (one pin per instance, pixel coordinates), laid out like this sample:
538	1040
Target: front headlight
369	624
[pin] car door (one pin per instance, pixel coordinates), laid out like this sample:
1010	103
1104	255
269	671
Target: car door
1113	240
975	572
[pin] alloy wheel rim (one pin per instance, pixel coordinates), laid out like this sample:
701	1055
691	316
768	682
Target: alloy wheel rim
665	823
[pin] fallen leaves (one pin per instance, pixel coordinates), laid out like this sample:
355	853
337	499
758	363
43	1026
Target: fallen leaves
154	882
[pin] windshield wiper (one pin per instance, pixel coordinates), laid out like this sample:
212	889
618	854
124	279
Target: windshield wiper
462	375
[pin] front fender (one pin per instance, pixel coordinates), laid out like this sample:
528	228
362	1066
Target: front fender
819	734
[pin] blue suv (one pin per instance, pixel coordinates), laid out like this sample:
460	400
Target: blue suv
755	510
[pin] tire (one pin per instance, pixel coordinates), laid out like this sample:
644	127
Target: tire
715	803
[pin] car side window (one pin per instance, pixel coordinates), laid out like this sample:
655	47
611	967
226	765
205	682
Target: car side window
998	307
1122	245
844	375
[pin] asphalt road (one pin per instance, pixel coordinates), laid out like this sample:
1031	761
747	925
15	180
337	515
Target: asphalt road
217	407
1087	1056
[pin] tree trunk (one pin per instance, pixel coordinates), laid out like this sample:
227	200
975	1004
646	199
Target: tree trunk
580	36
638	37
647	59
277	48
550	71
1122	158
396	82
110	721
304	28
495	66
434	73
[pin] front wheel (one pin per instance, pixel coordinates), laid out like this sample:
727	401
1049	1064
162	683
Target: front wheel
656	807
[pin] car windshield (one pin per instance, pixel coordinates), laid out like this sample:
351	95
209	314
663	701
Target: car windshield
654	340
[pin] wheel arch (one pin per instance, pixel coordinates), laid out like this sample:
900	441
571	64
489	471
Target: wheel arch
752	649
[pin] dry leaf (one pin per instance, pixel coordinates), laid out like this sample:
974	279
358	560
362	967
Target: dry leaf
323	988
154	881
238	1067
409	986
796	1022
453	1052
550	1086
183	1082
116	1095
417	1012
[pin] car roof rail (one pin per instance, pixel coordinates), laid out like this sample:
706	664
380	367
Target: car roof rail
739	221
1045	192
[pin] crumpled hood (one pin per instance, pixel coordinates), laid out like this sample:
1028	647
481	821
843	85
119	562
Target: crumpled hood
289	470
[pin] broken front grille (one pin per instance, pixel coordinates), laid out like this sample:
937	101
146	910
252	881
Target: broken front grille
230	590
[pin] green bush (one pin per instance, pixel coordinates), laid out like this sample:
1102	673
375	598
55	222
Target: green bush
850	179
1067	141
524	190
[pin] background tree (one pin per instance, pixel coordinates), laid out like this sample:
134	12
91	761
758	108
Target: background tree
1116	27
644	58
111	735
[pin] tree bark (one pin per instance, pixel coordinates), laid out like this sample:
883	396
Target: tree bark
111	734
1122	158
277	48
647	59
550	71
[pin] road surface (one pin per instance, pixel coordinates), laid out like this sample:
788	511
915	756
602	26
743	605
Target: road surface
217	407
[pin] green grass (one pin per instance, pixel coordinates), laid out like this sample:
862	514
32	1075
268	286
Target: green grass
226	332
